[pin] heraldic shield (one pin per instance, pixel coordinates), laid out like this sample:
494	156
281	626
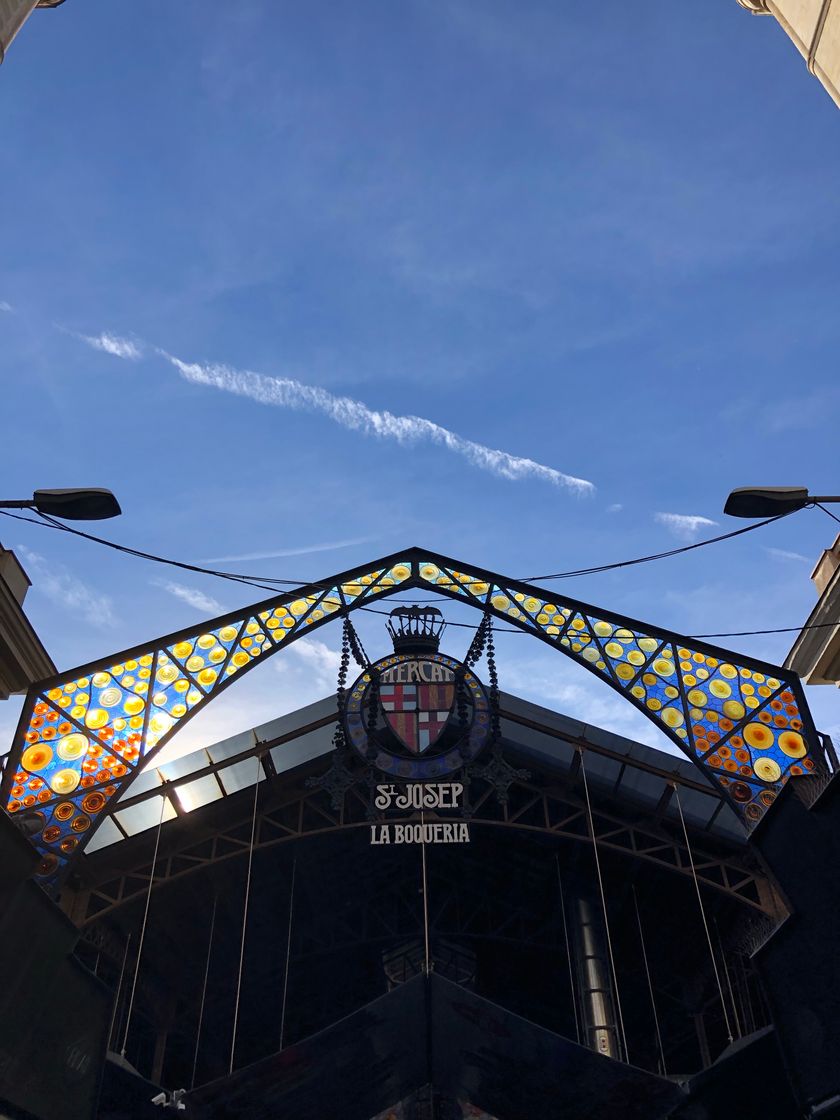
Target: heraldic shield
417	713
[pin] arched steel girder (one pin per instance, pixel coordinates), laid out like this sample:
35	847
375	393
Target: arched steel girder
548	811
86	733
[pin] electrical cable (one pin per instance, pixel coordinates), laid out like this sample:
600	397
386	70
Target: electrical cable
660	555
163	800
245	912
288	954
703	916
204	990
265	583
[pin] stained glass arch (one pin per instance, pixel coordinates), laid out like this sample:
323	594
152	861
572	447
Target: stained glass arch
85	734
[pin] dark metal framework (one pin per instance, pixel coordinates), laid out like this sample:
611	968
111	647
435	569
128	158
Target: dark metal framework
706	699
289	810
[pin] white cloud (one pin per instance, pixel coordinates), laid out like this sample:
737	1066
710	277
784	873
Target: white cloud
568	690
112	344
321	661
6	306
616	507
783	554
684	526
284	392
304	551
191	596
67	591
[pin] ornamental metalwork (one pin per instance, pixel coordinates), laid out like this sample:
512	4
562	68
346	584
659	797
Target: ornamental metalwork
86	733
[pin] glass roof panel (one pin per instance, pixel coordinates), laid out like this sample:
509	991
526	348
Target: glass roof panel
106	834
137	818
200	792
241	775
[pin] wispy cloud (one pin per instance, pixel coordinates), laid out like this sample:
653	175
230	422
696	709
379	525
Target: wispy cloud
192	596
277	553
6	306
783	554
113	344
684	526
319	659
616	507
284	392
66	590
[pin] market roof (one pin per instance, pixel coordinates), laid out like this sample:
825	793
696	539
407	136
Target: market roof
628	769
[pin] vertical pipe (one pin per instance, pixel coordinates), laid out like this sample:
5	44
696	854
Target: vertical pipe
600	1032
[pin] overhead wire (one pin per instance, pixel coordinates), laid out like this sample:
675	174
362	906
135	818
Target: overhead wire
272	583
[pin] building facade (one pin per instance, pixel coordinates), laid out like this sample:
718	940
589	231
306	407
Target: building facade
814	28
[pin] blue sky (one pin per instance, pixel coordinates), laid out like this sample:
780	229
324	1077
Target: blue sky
599	242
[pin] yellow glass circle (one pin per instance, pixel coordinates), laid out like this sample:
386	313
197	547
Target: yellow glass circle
532	605
195	663
734	709
182	685
96	717
624	671
613	649
206	641
71	747
228	633
160	723
240	658
100	679
720	689
110	697
792	744
757	736
654	704
648	644
591	654
637	691
673	717
697	698
182	649
728	671
218	654
65	781
767	769
133	705
663	668
168	673
602	629
636	657
37	757
207	676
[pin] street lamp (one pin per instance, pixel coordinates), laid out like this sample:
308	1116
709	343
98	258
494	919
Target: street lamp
770	501
71	505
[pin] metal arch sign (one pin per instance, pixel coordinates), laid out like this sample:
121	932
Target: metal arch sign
745	723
